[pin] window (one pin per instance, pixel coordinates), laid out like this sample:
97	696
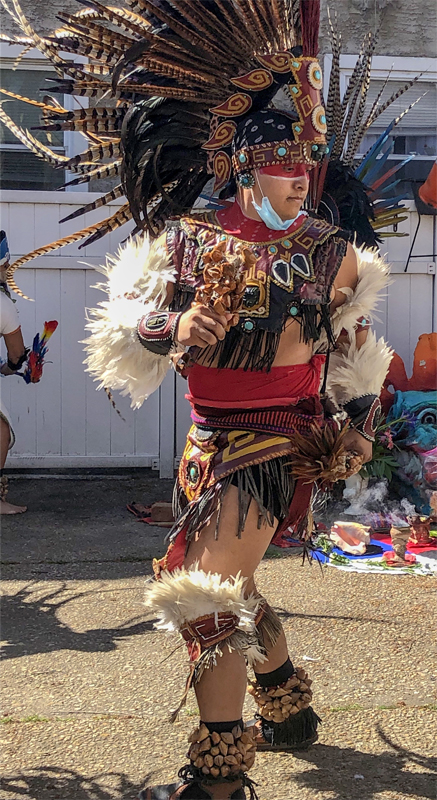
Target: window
19	168
416	132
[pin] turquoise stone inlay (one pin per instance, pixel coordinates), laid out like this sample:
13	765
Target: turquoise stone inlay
282	151
296	64
223	237
315	147
317	74
286	243
242	158
297	128
248	325
294	311
273	249
294	89
193	474
323	118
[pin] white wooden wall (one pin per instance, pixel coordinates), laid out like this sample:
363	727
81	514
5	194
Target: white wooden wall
63	421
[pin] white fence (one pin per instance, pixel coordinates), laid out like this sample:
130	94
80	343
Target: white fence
63	421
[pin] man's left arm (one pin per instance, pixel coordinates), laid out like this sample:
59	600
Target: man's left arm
358	366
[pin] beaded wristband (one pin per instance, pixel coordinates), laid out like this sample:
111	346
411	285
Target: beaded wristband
156	331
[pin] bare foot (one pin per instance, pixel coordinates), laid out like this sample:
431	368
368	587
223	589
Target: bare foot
8	508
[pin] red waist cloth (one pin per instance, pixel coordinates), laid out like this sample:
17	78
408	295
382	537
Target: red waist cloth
235	388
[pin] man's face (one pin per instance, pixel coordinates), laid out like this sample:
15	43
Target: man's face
285	186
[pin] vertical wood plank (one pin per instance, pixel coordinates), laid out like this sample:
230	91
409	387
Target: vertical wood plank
146	421
398	321
72	371
48	391
21	234
167	426
122	428
98	422
23	397
47	228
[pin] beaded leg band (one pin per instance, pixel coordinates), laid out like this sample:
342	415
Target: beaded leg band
287	719
221	756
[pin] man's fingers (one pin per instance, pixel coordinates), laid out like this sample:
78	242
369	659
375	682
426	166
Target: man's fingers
212	325
206	336
209	312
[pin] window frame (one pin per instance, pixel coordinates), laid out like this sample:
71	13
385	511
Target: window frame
74	142
402	68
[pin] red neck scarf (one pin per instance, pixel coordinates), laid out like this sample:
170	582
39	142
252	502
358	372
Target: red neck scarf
235	223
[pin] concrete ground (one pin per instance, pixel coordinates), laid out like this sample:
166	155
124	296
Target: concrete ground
88	684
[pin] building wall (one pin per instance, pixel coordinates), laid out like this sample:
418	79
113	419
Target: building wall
406	28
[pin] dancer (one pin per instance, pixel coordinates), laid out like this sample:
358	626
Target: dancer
17	354
263	303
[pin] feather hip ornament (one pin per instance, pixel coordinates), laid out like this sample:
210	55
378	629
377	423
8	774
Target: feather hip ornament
36	358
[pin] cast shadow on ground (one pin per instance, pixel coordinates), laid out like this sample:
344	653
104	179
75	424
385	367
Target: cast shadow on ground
54	783
30	625
337	768
284	614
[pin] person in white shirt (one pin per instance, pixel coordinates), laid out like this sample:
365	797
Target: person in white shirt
11	331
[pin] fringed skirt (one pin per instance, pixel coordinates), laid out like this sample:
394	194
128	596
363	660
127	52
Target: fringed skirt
251	450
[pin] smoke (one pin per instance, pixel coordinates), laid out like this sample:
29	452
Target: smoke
374	507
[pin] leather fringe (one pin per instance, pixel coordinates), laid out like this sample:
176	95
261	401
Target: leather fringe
296	730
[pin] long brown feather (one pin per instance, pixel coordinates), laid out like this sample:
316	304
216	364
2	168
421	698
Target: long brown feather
31	143
120	217
101	201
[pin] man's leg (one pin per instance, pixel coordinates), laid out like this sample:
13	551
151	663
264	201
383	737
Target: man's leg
5	440
221	750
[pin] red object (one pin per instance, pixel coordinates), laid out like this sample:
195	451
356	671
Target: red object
428	190
390	557
411	548
235	388
234	222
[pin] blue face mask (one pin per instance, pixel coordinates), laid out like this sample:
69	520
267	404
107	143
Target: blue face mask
270	217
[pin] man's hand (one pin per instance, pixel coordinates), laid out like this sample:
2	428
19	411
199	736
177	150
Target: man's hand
201	327
358	444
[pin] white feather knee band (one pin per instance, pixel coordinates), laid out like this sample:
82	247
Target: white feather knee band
357	371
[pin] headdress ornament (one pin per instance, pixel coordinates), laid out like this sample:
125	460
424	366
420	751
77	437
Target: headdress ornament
183	78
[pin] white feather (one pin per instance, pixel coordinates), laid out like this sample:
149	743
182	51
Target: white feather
115	357
356	371
373	278
184	595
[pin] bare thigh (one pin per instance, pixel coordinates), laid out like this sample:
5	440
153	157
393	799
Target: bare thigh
228	554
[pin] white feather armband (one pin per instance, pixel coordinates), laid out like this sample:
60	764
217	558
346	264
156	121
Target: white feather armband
373	278
136	283
354	371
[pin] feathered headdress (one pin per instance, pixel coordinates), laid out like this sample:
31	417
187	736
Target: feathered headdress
182	77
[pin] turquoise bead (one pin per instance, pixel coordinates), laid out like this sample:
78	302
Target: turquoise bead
297	128
296	64
242	158
193	473
315	147
317	74
273	249
282	151
294	89
323	118
286	243
249	325
294	311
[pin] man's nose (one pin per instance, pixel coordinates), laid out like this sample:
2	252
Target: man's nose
300	183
